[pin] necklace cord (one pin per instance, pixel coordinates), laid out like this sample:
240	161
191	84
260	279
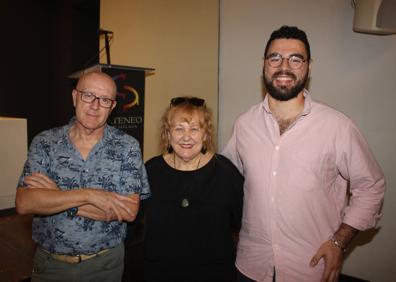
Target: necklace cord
185	203
174	160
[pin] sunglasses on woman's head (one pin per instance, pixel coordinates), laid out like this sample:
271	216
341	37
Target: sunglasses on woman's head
198	102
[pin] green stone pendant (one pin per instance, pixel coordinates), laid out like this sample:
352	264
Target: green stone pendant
185	203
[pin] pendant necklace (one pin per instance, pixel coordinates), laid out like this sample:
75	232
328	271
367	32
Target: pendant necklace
185	203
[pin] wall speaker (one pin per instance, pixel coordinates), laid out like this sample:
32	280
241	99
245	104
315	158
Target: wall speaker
375	16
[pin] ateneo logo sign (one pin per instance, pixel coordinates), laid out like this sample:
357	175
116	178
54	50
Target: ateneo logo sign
128	115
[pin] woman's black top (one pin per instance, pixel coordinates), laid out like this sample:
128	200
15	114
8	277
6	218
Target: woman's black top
190	221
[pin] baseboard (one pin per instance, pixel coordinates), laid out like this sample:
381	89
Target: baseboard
6	212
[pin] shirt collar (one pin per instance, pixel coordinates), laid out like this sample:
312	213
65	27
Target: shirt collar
106	132
307	103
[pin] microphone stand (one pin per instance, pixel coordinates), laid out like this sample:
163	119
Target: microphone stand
107	46
107	43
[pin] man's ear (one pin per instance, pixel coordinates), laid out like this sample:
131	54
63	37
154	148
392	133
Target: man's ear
114	105
309	67
74	96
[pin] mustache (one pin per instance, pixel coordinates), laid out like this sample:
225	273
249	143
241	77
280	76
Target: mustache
284	72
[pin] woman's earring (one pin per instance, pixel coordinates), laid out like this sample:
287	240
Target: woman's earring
169	149
204	150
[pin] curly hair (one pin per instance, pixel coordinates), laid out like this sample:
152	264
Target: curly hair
186	110
289	32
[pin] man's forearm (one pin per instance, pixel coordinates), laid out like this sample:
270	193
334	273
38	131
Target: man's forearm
45	201
92	212
101	204
345	234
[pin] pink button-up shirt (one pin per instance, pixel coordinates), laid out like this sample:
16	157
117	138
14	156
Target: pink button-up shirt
295	192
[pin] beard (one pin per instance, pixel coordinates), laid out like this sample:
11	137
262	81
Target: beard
283	93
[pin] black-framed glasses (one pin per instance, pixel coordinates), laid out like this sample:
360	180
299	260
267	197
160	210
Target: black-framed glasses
89	97
198	102
295	61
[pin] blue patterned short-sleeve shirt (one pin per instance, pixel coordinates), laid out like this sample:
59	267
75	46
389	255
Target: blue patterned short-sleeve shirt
115	164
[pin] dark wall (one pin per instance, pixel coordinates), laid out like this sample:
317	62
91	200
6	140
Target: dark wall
43	41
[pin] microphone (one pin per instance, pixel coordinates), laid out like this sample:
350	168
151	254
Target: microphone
103	31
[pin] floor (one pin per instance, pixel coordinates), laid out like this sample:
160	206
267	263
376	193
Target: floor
16	248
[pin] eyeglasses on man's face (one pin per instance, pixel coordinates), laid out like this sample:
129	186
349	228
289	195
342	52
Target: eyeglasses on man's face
275	60
89	97
198	102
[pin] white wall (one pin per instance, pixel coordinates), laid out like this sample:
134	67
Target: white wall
355	73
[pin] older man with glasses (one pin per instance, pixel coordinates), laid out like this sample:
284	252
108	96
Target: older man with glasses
82	182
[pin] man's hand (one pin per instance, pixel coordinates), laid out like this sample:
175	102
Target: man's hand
333	257
39	180
115	206
332	252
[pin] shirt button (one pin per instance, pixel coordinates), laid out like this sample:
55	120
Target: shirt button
277	148
272	199
274	173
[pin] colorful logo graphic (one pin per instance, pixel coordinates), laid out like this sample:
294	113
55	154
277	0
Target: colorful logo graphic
129	97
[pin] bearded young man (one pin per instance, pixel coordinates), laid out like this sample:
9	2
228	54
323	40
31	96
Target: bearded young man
298	157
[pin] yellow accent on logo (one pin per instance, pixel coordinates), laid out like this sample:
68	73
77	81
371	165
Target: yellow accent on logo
134	101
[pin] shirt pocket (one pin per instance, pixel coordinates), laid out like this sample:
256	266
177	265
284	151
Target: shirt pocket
310	168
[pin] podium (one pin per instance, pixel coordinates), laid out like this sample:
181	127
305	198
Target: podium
128	115
13	151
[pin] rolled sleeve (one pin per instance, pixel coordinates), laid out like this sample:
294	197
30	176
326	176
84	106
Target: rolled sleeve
367	182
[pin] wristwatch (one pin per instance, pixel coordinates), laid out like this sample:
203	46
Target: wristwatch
72	212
